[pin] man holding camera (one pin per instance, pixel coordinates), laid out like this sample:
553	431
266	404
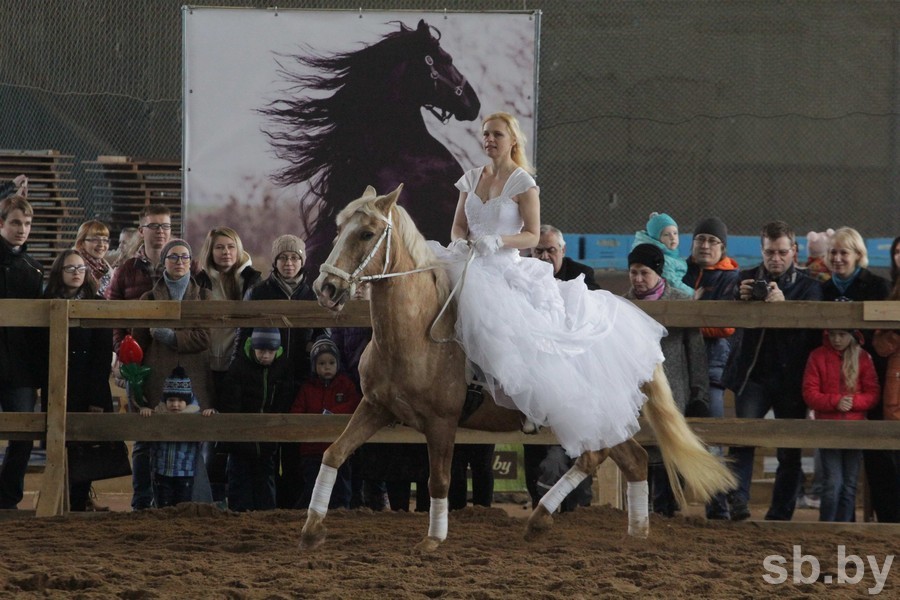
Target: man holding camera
765	369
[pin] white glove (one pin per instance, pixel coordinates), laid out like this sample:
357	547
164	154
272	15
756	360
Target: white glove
459	246
488	244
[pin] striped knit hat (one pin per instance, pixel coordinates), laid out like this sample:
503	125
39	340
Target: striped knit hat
178	385
265	338
324	345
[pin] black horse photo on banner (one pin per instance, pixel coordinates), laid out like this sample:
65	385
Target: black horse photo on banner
369	129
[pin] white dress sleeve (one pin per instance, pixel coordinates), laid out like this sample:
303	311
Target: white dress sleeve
519	182
469	180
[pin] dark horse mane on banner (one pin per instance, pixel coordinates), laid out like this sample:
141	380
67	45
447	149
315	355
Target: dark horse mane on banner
363	126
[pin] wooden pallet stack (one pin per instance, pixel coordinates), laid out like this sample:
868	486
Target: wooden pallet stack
129	184
51	191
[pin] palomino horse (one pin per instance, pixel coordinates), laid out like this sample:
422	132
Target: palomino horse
409	377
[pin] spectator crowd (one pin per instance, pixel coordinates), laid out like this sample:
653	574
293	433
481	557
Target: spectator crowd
788	373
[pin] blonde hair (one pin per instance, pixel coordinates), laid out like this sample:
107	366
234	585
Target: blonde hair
230	279
850	362
518	149
850	238
89	228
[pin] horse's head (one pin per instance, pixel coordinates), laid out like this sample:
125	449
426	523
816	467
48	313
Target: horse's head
360	248
443	89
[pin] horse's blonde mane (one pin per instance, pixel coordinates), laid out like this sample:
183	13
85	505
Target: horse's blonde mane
413	240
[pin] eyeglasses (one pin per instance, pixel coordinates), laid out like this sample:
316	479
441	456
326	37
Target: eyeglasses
289	258
72	269
177	258
702	240
97	240
158	226
552	250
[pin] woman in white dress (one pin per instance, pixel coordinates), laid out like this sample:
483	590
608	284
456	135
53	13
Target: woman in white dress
565	356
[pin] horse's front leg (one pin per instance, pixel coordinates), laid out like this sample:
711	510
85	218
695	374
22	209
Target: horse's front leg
541	519
631	459
367	419
440	436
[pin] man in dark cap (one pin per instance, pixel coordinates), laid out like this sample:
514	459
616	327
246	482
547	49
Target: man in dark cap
713	276
765	370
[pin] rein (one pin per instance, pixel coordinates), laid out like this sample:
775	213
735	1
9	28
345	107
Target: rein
354	278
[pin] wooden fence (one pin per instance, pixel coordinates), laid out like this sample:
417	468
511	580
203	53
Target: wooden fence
57	425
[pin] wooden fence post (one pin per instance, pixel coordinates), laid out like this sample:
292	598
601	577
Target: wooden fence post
54	498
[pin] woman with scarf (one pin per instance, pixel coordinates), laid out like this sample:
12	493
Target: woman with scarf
92	243
685	364
852	281
287	282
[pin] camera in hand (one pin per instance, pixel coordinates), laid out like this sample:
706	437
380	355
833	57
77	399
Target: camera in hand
759	290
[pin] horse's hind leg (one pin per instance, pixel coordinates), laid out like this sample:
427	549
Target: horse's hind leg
367	419
631	459
541	518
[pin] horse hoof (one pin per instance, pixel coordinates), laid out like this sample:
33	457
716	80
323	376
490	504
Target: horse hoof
539	523
639	529
313	533
428	544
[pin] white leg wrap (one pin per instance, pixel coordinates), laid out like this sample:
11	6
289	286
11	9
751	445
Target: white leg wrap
322	492
562	488
437	519
638	493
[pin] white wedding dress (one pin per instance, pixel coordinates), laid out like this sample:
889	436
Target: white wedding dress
567	357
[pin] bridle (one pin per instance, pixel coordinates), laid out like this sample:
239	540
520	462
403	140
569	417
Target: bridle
436	77
354	279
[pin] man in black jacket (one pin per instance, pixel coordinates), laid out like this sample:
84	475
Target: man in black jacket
552	249
765	369
21	276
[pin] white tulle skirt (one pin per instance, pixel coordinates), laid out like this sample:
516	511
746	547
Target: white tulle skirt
567	357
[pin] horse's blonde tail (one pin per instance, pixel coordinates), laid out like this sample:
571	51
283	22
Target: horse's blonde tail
683	452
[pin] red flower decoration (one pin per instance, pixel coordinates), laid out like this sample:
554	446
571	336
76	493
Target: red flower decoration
130	351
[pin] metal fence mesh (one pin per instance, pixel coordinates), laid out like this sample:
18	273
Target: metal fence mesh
749	110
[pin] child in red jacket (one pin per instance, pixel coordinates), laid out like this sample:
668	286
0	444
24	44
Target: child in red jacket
327	392
840	384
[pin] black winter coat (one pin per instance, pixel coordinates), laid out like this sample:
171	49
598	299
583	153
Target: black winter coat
294	341
774	353
253	388
22	355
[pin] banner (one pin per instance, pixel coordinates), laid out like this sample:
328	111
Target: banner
289	114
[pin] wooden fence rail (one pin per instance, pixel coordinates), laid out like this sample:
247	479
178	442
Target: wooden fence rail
57	426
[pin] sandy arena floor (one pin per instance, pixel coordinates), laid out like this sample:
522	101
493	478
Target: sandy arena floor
196	551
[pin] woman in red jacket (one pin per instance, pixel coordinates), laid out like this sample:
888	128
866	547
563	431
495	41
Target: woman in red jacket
840	383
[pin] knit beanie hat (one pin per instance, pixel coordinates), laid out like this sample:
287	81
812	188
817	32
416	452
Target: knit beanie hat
658	222
712	226
648	255
288	243
265	338
172	244
324	345
178	385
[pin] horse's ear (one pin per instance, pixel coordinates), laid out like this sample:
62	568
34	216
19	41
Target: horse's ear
386	203
370	192
423	26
